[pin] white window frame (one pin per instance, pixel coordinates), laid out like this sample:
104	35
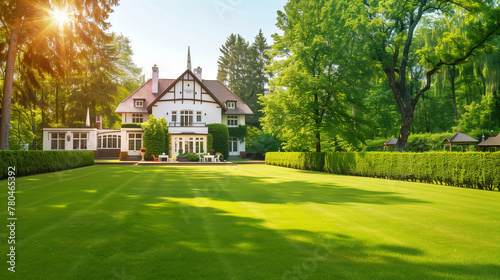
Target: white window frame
136	140
198	116
139	103
232	120
103	141
174	116
60	141
80	140
137	118
231	104
233	145
186	117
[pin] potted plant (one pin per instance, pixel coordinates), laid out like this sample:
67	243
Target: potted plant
181	157
143	152
211	152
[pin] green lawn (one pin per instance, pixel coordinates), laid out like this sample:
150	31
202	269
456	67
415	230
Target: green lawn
247	222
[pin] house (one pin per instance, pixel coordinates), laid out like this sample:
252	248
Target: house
188	103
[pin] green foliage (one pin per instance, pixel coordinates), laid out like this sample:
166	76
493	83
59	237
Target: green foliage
471	169
192	157
478	116
210	142
321	75
299	160
239	132
168	145
154	136
35	162
220	136
263	143
131	125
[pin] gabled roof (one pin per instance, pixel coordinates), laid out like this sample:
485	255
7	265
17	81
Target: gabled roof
143	92
188	71
391	142
214	88
492	141
224	94
460	138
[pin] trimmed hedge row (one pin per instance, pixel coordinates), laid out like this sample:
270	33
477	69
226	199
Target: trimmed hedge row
35	162
471	169
298	160
220	135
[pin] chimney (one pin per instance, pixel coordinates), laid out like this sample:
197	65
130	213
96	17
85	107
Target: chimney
197	72
98	121
189	59
155	80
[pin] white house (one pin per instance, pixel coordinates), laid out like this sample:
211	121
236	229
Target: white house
188	103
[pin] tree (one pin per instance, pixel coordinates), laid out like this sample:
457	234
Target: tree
53	33
320	79
392	26
154	136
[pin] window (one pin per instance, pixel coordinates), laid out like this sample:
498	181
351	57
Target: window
174	116
80	141
189	144
139	103
231	105
233	145
109	142
134	141
57	141
137	118
198	116
232	120
186	118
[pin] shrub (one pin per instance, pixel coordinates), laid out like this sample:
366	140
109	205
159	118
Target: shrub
239	132
210	142
35	162
192	157
300	160
220	136
131	125
154	136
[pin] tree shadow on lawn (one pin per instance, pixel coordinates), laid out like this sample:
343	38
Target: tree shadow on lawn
268	190
173	240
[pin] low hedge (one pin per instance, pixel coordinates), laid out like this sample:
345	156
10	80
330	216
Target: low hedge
298	160
35	162
471	169
131	125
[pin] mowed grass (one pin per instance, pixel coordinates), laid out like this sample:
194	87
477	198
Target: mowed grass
247	222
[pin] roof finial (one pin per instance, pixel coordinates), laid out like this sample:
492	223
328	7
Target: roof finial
189	58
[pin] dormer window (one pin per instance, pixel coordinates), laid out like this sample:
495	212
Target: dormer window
231	104
139	103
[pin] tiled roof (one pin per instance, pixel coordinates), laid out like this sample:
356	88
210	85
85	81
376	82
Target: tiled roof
224	94
143	92
460	138
219	91
492	141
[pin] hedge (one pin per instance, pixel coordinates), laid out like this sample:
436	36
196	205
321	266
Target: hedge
35	162
220	136
131	125
471	169
299	160
155	131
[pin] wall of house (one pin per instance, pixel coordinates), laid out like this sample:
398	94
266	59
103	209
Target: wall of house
241	118
68	136
125	132
127	117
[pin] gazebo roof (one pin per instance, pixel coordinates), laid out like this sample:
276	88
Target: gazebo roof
492	141
391	142
460	139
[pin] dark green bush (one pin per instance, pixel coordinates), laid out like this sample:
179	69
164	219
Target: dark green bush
239	132
220	136
154	136
192	157
35	162
471	169
210	142
299	160
131	125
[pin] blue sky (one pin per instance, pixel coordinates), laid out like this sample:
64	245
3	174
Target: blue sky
161	30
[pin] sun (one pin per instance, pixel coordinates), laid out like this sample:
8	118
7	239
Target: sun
61	16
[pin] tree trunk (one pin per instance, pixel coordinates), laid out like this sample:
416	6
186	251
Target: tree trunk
318	141
405	130
9	79
451	71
